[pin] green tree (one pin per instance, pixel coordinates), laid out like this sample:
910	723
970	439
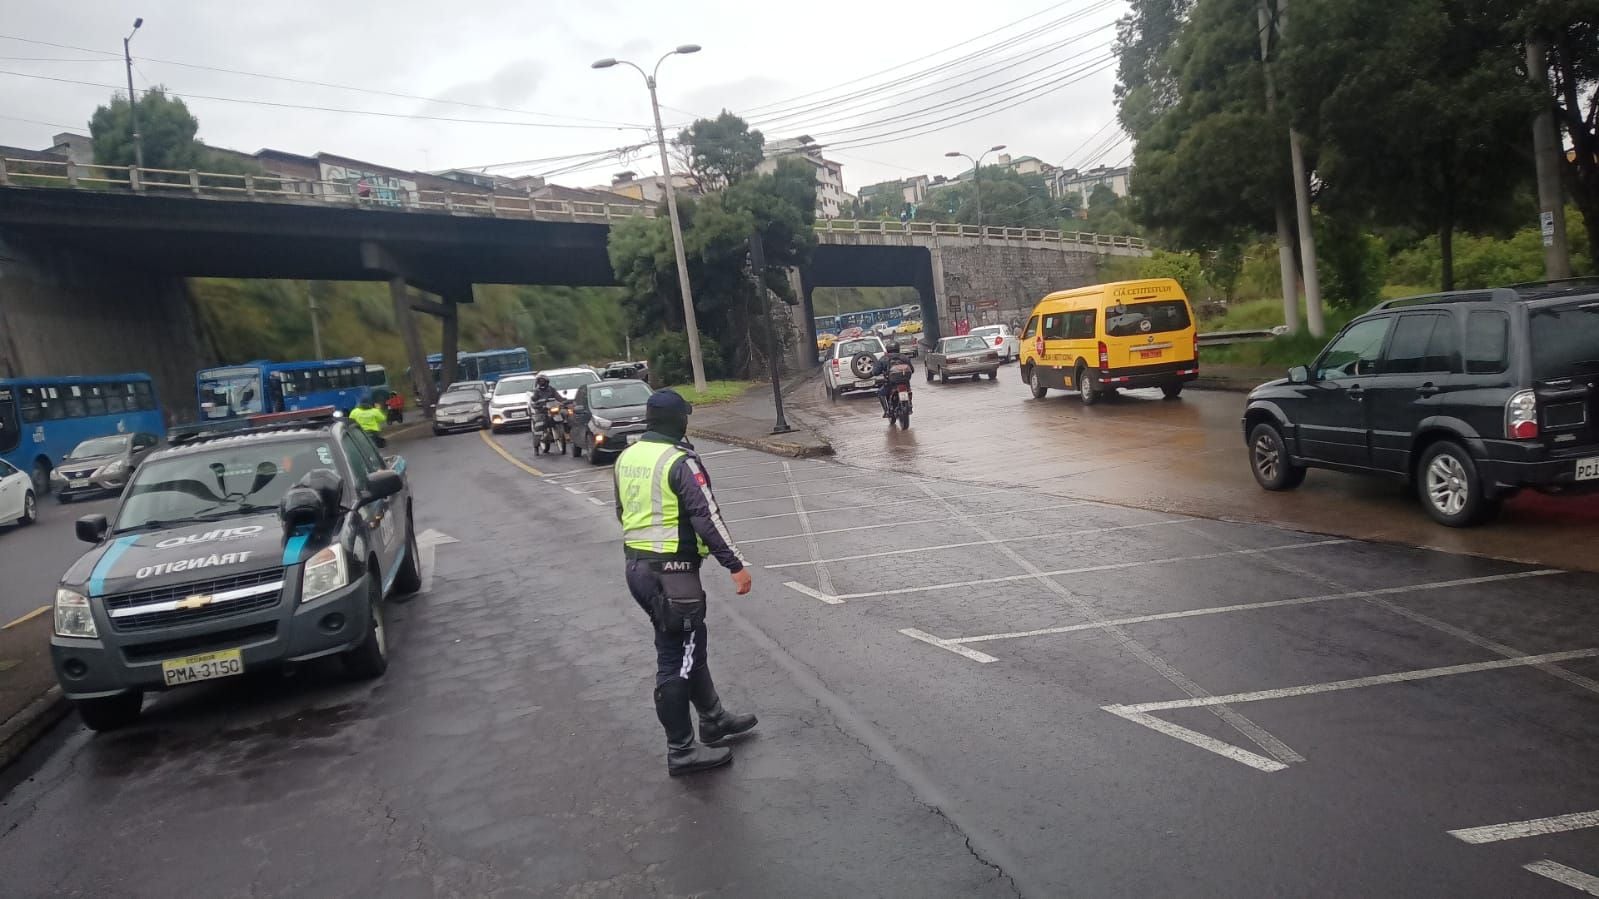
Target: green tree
167	127
721	150
1422	122
1571	29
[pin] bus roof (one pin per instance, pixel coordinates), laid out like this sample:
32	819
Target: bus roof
47	380
301	365
439	357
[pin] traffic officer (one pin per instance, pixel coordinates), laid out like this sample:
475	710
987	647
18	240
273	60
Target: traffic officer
670	523
371	419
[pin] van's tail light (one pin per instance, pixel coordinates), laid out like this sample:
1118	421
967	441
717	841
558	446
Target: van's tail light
1196	345
1104	356
1521	416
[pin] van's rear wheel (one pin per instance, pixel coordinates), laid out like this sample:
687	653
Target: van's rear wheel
1036	382
1087	387
1173	390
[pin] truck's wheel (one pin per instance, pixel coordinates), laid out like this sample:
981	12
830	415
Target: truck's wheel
370	659
409	580
110	712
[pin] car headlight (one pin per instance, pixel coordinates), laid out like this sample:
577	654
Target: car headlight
73	618
601	421
113	468
325	573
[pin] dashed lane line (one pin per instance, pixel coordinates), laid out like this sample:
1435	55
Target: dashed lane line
25	618
506	454
877	527
824	580
1571	877
1534	827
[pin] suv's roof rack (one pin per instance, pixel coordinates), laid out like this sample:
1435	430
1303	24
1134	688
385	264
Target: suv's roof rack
1488	295
264	423
1554	287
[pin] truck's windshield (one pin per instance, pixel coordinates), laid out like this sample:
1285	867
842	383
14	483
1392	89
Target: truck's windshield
1565	341
223	482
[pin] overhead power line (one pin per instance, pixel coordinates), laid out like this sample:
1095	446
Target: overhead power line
306	81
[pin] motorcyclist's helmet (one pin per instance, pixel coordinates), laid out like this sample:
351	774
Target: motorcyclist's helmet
891	347
541	381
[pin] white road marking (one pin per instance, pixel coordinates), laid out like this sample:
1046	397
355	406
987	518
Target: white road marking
857	491
1535	827
925	637
1052	535
596	501
1357	683
1178	732
573	490
726	452
841	477
1236	720
861	507
1571	877
427	544
880	526
824	580
1113	566
1245	607
812	593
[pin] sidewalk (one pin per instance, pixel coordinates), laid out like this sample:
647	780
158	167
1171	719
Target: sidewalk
1235	378
30	701
747	422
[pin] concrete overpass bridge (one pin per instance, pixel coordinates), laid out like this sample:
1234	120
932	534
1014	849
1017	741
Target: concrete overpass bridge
93	258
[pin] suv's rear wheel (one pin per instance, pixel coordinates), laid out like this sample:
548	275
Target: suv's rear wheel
1451	490
1268	459
110	712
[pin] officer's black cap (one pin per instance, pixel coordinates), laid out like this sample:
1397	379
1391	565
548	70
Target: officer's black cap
669	403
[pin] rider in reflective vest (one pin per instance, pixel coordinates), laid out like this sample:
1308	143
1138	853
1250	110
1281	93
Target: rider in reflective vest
670	523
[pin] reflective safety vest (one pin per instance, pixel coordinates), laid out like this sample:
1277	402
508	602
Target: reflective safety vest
370	420
651	513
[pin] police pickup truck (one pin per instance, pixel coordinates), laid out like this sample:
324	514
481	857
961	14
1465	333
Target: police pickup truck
262	545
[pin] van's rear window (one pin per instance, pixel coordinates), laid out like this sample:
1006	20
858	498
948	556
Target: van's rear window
1147	318
1565	341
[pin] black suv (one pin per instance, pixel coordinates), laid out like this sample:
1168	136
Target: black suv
1470	395
265	544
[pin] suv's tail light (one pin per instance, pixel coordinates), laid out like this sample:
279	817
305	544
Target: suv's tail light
1104	356
1521	416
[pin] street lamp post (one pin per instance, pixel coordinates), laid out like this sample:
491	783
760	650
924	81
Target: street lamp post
133	104
977	179
690	323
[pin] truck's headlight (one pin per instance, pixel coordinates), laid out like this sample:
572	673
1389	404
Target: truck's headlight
325	573
73	618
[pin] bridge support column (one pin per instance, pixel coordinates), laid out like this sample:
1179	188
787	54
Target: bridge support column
805	356
422	379
449	371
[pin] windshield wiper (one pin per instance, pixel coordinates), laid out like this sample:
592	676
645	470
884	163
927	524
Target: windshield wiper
154	523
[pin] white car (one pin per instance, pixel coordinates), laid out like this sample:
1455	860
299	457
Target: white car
508	402
1002	339
566	381
837	375
17	502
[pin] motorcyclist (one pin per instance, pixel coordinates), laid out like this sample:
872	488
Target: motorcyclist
543	396
891	357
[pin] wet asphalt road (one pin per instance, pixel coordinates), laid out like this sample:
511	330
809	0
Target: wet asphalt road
1184	456
955	683
32	558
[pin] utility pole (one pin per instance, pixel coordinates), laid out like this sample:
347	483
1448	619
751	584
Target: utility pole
690	322
1545	152
316	325
977	180
1285	236
133	99
774	345
1307	237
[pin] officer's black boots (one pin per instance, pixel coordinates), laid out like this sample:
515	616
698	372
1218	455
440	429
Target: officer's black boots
683	755
716	723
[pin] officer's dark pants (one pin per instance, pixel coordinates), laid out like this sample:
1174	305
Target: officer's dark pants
676	655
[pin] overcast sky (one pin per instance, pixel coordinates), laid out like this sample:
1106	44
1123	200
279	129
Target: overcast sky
817	63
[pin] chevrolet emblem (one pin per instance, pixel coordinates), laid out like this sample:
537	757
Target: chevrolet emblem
198	601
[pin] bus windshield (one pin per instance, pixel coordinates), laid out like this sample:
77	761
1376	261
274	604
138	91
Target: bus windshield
227	392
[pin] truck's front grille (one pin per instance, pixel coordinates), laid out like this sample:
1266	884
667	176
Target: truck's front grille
228	639
123	607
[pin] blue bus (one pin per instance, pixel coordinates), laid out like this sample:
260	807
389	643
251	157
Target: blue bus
42	419
232	391
484	365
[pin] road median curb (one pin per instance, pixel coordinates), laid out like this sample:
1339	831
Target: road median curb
775	444
20	731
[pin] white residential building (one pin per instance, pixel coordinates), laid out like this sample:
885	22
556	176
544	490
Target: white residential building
830	197
1070	181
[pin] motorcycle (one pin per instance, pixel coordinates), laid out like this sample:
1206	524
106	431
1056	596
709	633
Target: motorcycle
899	395
554	423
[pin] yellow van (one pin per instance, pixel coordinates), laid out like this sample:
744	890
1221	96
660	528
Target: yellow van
1106	337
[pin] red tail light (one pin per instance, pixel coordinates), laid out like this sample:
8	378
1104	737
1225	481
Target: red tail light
1521	416
1104	357
1196	346
999	341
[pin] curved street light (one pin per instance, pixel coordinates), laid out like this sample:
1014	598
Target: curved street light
690	322
977	186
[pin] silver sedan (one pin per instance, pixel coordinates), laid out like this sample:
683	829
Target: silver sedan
958	356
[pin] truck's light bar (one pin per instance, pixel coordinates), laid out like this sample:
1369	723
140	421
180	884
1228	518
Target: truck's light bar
319	413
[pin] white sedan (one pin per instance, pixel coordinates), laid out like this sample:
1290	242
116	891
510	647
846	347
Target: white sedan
1002	339
17	502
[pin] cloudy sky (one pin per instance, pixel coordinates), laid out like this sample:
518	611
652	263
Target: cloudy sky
887	86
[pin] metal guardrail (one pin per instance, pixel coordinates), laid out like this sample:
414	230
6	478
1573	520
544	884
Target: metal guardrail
1225	338
497	204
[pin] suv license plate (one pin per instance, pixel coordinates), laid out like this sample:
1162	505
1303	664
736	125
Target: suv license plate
1588	469
207	666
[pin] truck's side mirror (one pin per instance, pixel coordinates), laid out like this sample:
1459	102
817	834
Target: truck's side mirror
92	528
1299	375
